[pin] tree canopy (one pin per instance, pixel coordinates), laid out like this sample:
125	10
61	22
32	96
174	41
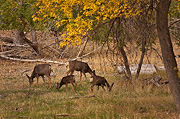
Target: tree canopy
81	16
16	14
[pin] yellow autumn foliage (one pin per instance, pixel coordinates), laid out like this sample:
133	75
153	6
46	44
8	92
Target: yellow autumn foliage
81	16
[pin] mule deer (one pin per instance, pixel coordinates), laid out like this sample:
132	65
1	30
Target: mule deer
83	67
99	81
40	70
65	80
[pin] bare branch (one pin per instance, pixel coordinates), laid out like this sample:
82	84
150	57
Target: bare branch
16	45
87	53
157	53
176	21
65	114
29	60
6	39
81	51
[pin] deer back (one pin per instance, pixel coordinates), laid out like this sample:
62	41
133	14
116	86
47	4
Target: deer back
65	80
79	66
68	79
41	70
98	80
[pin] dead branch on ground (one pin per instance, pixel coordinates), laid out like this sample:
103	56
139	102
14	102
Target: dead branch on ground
153	80
66	114
29	60
6	39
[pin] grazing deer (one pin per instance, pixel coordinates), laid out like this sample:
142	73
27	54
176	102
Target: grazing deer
40	70
83	67
99	81
65	80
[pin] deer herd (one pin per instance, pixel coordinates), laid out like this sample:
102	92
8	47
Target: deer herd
74	65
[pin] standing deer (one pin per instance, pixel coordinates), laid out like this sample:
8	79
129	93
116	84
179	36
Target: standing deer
99	81
40	70
83	67
65	80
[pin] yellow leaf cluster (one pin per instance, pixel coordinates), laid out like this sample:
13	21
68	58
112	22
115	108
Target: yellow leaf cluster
80	16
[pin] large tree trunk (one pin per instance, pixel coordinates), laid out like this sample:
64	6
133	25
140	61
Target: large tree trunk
33	45
18	40
167	49
33	34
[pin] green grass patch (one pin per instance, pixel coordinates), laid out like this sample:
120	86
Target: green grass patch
18	101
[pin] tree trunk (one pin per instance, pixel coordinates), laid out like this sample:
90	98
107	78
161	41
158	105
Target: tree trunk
21	39
144	49
33	45
121	49
33	34
140	64
126	63
18	40
167	49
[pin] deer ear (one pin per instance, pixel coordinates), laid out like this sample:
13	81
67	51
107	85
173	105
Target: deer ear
111	86
27	76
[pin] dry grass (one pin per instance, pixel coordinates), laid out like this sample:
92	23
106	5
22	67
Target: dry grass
17	102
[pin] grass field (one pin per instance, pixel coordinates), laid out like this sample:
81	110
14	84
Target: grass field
17	101
148	102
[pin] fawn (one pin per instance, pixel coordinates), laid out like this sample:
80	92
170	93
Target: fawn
65	80
99	81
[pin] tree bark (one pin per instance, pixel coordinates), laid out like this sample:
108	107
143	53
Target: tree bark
167	49
33	34
126	63
33	45
121	49
140	64
18	40
21	39
144	49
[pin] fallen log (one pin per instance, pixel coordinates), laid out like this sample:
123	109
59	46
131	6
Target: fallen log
66	114
6	39
153	80
30	60
16	45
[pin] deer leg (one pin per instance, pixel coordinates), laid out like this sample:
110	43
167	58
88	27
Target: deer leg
71	72
80	75
37	80
68	72
43	79
49	82
92	87
85	75
73	86
97	87
66	87
103	88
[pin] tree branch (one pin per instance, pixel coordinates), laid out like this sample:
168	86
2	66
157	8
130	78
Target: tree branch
29	60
